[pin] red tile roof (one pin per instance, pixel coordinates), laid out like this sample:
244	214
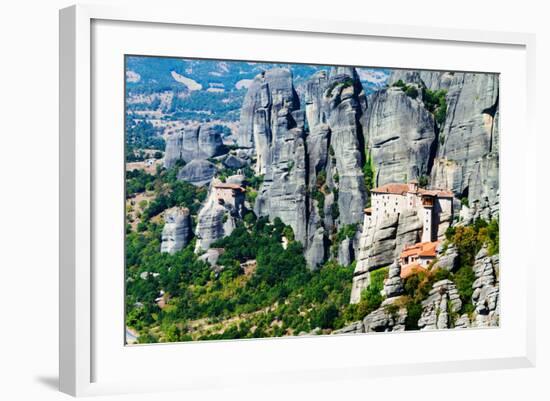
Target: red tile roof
440	193
420	249
400	189
393	188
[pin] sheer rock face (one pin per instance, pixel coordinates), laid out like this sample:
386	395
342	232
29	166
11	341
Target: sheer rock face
197	172
380	244
443	301
344	103
400	134
466	160
335	102
189	144
268	93
277	132
177	231
469	137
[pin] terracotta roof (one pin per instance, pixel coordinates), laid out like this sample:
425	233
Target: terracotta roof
400	189
441	193
393	188
410	269
229	186
420	249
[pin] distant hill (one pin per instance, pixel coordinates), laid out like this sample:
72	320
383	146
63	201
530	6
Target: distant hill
215	85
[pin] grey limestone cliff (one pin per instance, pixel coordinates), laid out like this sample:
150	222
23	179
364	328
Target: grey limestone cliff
177	231
271	114
400	134
467	159
189	144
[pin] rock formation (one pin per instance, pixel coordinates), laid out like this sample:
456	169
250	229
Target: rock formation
177	231
217	218
190	144
442	304
400	134
335	102
389	317
213	222
344	102
381	243
234	162
393	285
276	129
468	154
197	172
486	290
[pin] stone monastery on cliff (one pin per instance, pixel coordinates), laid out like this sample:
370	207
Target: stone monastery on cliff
392	199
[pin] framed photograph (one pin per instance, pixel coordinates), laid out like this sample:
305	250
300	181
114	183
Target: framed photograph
270	199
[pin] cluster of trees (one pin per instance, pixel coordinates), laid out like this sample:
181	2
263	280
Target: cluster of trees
409	90
369	172
171	192
141	135
282	296
436	103
138	181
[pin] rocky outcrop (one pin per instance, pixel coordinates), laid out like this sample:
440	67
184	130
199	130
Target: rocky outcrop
177	231
197	172
447	259
217	218
390	316
316	251
270	92
201	142
440	309
483	194
234	162
213	222
393	285
352	328
211	256
400	135
486	297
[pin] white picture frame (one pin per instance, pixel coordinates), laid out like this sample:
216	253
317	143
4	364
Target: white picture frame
79	344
